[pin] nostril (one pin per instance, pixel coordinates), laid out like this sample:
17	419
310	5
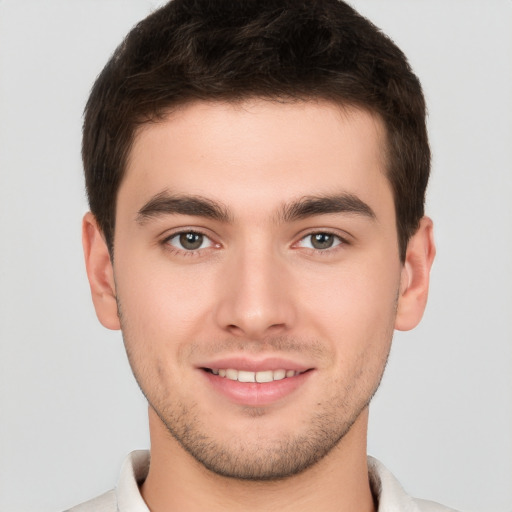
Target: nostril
234	329
277	326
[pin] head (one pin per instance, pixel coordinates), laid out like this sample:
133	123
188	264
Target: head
280	50
256	173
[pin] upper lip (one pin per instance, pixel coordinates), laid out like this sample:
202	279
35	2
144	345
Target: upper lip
255	365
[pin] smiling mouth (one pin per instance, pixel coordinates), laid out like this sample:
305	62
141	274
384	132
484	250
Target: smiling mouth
247	376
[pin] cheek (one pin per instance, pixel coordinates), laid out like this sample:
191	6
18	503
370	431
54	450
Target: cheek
354	305
161	317
161	307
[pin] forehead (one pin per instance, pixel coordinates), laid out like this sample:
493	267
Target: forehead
259	152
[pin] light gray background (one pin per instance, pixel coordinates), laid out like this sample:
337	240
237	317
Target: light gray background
70	410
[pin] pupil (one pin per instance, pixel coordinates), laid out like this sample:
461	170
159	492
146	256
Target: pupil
191	241
322	240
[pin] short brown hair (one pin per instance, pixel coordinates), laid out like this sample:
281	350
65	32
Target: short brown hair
277	49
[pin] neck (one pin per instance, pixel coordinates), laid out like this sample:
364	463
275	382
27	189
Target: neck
339	482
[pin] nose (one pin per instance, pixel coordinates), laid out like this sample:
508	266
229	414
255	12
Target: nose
256	295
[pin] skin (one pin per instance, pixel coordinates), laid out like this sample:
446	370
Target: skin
258	288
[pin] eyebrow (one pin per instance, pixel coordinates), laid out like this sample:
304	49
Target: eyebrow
198	206
167	204
310	206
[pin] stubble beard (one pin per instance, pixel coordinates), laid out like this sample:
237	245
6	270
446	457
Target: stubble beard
252	457
258	460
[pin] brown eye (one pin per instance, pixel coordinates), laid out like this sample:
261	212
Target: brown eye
189	241
320	241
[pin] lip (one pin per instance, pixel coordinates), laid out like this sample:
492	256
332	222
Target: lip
255	365
252	393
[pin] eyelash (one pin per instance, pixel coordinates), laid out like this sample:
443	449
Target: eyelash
341	241
187	252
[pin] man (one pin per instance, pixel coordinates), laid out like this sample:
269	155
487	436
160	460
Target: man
256	174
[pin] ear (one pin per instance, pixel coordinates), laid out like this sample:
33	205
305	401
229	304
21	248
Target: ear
415	277
100	272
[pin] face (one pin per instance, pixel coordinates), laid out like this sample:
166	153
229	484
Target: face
257	273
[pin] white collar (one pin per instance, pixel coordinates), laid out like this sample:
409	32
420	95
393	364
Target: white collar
385	487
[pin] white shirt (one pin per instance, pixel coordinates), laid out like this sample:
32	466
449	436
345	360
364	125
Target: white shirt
126	496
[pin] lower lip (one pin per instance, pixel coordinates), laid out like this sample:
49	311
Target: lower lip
255	393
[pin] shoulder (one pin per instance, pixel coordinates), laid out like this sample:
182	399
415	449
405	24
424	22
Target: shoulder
105	503
430	506
391	496
126	496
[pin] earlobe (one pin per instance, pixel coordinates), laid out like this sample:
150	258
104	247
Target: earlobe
415	277
100	272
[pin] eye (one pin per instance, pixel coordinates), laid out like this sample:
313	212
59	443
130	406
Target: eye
189	241
320	241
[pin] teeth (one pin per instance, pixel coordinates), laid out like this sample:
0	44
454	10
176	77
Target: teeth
279	374
231	374
245	376
267	376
